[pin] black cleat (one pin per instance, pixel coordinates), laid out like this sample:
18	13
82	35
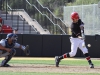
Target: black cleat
6	65
57	60
91	66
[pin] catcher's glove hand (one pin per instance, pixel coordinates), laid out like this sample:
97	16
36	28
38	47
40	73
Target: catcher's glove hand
27	51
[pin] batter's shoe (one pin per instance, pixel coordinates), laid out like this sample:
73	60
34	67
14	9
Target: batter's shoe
57	60
91	65
6	65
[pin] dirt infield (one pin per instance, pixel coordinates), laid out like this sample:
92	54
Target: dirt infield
49	69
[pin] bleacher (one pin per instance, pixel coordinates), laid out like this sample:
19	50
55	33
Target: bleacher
29	19
15	21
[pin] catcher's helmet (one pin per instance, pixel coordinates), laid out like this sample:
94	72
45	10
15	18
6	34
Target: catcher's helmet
12	36
74	15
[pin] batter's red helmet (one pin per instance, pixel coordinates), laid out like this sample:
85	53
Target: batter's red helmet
74	15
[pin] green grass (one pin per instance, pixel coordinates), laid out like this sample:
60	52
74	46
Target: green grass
34	73
52	62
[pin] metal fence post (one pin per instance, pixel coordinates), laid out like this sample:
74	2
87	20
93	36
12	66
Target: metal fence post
6	9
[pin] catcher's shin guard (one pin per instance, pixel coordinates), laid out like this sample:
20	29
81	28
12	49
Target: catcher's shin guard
8	58
6	65
27	51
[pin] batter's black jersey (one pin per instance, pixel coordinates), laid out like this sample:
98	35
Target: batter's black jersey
75	28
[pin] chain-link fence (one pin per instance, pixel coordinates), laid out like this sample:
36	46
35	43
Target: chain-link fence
90	15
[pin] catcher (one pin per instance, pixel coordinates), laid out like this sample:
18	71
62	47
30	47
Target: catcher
7	48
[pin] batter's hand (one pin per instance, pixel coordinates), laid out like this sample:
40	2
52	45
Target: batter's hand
80	38
82	27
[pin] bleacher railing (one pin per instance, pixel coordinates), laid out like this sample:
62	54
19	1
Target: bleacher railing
20	16
53	18
54	25
45	21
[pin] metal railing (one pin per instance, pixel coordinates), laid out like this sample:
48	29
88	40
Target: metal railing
12	16
90	15
54	19
48	24
43	19
18	19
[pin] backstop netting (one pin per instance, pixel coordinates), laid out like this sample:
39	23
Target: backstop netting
90	15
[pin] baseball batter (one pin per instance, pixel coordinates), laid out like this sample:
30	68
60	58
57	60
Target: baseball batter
76	40
7	48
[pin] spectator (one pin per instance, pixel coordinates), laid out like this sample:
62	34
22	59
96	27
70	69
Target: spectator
0	24
0	13
15	31
1	20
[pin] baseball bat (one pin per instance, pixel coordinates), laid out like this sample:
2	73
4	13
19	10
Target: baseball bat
82	34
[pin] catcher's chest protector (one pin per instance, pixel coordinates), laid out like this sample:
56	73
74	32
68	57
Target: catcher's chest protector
9	45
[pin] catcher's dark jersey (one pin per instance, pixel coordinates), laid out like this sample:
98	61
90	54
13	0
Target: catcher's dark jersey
75	28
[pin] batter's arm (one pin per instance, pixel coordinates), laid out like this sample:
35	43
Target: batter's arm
82	30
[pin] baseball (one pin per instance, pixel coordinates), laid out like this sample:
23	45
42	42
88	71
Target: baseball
89	45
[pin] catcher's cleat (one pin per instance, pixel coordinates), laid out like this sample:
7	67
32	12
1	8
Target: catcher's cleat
57	60
6	65
91	66
27	51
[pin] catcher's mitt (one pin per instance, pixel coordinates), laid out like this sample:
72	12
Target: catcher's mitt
27	51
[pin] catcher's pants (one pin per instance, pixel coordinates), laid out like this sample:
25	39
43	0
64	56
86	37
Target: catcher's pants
8	56
75	43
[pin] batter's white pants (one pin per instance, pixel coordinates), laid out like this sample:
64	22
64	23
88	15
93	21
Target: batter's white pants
75	44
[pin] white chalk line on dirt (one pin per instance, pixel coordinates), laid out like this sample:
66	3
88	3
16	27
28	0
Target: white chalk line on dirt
40	58
46	58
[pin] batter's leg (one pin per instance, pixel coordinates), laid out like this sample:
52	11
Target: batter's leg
74	46
86	54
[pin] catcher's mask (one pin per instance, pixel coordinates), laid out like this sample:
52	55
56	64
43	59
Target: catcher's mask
12	36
